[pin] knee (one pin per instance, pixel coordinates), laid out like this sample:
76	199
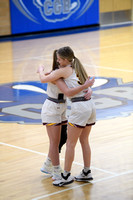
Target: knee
70	145
83	140
54	144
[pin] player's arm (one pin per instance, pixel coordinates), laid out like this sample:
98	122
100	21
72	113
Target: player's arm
73	91
51	77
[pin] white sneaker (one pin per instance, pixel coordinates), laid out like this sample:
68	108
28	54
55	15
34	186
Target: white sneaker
48	169
65	180
84	176
57	174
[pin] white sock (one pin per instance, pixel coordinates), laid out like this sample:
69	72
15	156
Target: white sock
57	168
48	161
65	173
86	169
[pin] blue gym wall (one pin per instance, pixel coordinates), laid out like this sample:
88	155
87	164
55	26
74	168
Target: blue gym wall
45	15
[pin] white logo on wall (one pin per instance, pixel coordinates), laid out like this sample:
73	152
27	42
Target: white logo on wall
54	10
57	10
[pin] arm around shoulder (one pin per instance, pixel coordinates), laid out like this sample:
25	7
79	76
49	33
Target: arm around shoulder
69	92
51	77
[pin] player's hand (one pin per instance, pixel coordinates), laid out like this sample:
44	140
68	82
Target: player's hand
88	93
88	82
40	69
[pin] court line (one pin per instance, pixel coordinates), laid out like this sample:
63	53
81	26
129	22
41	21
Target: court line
40	57
78	186
25	59
44	154
108	68
106	47
21	148
74	187
92	66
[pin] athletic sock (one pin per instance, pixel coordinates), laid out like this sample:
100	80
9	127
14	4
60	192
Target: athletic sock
57	168
48	161
86	169
65	173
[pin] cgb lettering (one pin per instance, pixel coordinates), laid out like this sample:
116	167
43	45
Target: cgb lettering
56	7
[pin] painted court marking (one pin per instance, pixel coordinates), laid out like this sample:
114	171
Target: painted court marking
44	154
47	55
108	68
78	186
74	187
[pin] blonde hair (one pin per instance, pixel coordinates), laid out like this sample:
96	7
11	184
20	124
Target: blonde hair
67	53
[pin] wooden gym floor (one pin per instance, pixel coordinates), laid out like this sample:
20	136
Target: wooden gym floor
106	54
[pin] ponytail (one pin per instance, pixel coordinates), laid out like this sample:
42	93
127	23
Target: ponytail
79	70
67	53
55	64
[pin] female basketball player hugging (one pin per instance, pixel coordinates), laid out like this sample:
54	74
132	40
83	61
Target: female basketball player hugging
71	78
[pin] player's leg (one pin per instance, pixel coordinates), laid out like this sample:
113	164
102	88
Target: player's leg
84	141
72	137
54	139
73	134
85	175
52	161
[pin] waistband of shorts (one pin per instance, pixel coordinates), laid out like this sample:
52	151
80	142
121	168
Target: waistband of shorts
56	100
77	99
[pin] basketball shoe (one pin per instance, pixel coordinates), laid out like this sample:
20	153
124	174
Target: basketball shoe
47	168
64	180
56	175
84	176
